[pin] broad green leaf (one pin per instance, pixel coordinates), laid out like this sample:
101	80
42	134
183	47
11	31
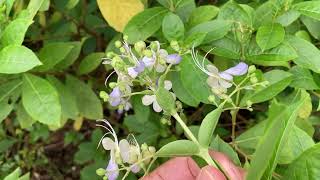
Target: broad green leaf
119	12
270	36
306	125
308	54
71	4
17	59
14	175
68	102
5	110
14	33
302	78
288	17
312	25
215	29
184	8
303	35
202	14
51	54
144	24
280	122
178	148
9	89
41	100
278	81
88	103
6	144
306	166
166	100
45	5
219	145
71	57
90	63
225	47
180	91
194	80
236	13
172	27
306	109
24	119
309	8
283	52
207	127
33	7
265	14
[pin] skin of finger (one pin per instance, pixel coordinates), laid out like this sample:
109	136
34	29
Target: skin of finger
232	171
210	173
180	168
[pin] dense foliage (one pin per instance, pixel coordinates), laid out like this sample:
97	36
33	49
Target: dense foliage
173	77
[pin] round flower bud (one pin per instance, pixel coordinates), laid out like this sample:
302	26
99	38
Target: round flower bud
152	149
253	80
122	50
163	121
144	147
250	109
103	95
110	55
154	45
105	178
118	44
101	172
112	85
211	98
140	46
252	69
175	45
249	103
125	37
147	53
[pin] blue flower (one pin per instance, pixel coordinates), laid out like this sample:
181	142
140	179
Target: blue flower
173	59
115	96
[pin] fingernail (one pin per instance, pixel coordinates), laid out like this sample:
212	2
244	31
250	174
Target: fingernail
193	167
210	173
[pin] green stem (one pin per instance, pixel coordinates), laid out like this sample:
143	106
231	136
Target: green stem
234	123
185	128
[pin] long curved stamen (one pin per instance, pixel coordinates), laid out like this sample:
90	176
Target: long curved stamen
134	141
113	132
106	81
130	52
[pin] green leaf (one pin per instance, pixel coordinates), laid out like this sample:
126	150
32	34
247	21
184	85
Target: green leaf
5	110
41	100
236	13
90	63
308	54
302	78
6	144
288	17
17	59
178	148
215	29
24	119
278	81
283	52
184	8
309	8
144	24
194	80
312	25
14	175
306	166
208	126
180	91
265	14
303	35
71	57
71	4
51	54
88	103
225	47
202	14
68	101
166	100
9	89
270	36
281	120
172	27
14	33
219	145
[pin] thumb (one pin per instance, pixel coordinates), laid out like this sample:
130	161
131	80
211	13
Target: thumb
210	173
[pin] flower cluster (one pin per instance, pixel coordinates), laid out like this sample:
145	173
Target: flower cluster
125	153
140	64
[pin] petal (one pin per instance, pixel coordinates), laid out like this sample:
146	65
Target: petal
148	99
148	61
238	70
115	92
173	59
226	76
108	143
127	106
156	107
224	83
135	168
163	53
124	147
167	85
112	170
160	68
139	67
212	82
213	69
115	101
132	72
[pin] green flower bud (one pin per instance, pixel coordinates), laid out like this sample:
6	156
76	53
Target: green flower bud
252	69
152	149
253	80
163	121
147	53
118	44
101	172
249	103
110	55
122	50
105	178
125	37
211	98
103	95
112	85
144	147
175	45
154	46
140	46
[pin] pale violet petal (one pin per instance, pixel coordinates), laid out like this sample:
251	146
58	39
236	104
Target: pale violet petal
213	69
213	82
148	62
148	99
173	59
108	143
163	53
156	107
226	76
112	170
135	168
132	72
224	83
124	147
167	85
238	70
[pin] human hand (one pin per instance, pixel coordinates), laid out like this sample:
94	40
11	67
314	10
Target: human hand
184	168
